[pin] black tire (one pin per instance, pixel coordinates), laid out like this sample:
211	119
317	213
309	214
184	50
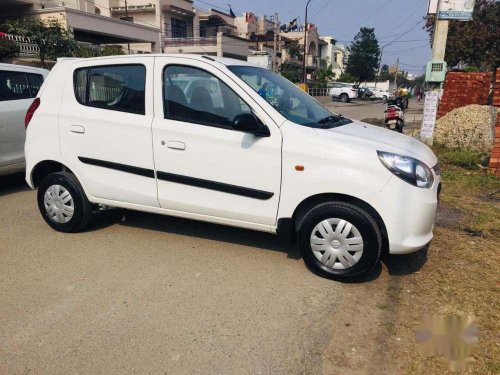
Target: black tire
399	126
82	207
344	98
366	225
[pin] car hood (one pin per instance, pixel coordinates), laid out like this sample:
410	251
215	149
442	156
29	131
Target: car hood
381	139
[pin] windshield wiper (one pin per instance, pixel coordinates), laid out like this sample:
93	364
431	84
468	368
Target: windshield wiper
330	119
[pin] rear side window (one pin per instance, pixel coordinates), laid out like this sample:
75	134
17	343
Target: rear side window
14	86
35	81
117	87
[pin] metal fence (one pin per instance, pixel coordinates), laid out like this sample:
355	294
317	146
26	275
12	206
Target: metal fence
180	42
319	91
26	46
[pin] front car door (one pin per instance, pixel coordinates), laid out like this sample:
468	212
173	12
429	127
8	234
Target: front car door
105	128
204	167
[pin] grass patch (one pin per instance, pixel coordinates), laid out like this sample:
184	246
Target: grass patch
460	275
469	159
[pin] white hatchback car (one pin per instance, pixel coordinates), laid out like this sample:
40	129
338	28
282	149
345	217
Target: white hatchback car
19	85
120	131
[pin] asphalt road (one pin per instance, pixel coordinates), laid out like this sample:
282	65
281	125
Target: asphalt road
151	294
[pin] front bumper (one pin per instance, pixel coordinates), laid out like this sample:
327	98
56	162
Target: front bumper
408	213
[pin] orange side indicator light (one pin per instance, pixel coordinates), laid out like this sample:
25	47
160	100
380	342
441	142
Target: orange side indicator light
299	168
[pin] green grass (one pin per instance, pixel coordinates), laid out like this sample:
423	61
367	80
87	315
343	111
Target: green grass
469	159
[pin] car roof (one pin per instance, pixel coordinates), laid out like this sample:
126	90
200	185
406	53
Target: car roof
221	60
24	68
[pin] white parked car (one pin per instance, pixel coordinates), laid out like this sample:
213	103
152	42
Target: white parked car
19	85
379	93
344	91
119	131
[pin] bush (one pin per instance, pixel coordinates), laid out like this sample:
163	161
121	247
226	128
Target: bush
8	48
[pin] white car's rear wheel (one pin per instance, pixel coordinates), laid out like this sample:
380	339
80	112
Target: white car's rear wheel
63	203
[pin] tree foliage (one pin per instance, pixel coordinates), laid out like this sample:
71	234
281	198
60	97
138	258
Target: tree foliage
325	75
50	36
364	53
8	48
347	77
473	43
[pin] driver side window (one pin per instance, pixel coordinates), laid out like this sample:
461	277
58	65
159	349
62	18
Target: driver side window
196	96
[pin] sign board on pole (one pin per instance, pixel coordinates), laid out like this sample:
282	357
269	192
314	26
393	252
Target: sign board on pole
456	10
429	118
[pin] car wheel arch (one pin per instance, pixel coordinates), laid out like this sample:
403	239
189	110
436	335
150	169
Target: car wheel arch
44	168
308	203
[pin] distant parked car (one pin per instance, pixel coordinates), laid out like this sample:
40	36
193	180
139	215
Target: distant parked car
365	93
344	91
379	93
18	86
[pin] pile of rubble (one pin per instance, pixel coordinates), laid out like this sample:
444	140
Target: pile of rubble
466	127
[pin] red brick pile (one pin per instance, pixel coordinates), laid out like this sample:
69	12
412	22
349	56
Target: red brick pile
495	152
461	89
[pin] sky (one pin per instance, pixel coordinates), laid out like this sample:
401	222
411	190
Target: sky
395	21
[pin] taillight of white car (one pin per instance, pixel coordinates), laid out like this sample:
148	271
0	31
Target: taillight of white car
31	111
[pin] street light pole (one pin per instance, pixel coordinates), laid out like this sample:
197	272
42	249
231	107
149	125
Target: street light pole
305	47
379	69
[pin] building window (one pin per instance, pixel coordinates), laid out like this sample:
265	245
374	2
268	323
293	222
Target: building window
179	28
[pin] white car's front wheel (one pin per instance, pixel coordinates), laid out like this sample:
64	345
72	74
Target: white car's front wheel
339	240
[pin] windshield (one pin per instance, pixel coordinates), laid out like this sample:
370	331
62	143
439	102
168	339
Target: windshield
293	103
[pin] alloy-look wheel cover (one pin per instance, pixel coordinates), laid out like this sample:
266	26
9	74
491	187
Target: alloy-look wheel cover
58	204
337	243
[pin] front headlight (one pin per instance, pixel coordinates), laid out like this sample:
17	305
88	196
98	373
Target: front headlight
408	169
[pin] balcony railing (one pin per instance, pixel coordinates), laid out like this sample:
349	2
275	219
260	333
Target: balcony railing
182	42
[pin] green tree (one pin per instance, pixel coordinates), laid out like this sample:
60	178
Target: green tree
8	48
51	38
325	75
293	48
364	54
474	43
347	77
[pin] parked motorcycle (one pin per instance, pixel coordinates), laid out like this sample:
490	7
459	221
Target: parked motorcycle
394	118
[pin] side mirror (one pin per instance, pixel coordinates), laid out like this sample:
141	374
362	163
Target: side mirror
248	123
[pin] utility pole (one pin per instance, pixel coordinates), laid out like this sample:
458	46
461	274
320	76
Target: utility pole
126	18
275	41
440	36
379	70
305	48
396	75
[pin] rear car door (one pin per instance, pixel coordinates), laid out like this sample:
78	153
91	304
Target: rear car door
15	98
105	128
204	166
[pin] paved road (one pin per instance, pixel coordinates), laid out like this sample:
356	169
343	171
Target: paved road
359	109
152	294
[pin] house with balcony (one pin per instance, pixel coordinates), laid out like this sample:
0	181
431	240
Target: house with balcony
214	33
86	20
312	49
334	54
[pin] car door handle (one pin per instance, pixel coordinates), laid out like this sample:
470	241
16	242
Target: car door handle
176	145
77	129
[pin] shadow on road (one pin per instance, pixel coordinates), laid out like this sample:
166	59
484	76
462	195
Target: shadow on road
209	231
14	183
